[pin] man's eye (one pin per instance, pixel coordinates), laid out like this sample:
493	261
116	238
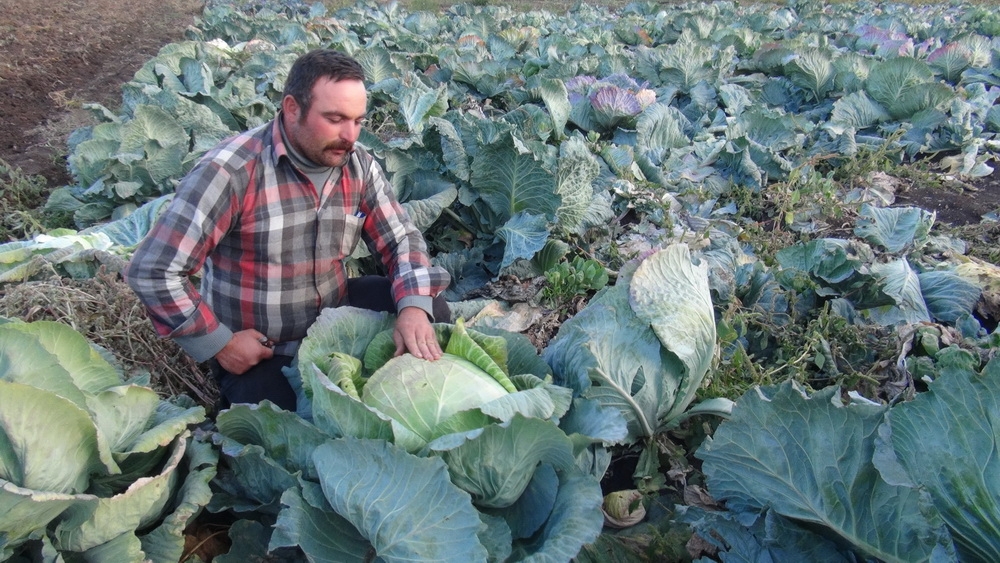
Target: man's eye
362	122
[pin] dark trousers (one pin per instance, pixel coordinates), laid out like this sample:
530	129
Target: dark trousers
266	381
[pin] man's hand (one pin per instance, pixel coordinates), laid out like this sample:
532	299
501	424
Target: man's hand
414	334
245	350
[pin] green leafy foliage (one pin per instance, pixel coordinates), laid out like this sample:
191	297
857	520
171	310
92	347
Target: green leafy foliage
643	347
472	446
78	254
481	122
749	137
91	465
910	496
568	280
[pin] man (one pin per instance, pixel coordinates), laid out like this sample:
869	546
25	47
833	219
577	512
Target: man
269	216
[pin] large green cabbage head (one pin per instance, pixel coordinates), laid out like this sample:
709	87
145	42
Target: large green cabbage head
412	401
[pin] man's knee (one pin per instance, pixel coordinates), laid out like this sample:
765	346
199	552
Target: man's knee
265	380
441	310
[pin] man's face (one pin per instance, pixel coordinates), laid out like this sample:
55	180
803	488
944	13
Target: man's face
326	134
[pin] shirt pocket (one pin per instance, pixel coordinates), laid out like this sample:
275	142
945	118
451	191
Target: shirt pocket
351	234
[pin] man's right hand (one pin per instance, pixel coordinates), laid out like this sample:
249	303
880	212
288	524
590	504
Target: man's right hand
245	350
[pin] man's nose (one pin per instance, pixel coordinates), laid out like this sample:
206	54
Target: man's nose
350	132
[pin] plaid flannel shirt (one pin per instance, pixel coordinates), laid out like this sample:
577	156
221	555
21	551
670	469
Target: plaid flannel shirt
270	248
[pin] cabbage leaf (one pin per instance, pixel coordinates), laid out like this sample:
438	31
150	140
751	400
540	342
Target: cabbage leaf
945	441
644	345
809	458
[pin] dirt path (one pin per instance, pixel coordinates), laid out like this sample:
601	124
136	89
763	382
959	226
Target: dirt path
56	55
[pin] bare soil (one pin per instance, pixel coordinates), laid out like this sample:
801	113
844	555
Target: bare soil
57	55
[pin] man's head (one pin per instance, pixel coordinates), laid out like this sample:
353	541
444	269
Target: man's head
324	104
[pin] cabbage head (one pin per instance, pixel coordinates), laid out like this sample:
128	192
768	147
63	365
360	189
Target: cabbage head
425	396
92	467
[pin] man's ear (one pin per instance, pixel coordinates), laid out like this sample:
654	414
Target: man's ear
291	108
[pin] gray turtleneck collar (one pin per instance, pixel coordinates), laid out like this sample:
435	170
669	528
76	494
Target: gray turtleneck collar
317	173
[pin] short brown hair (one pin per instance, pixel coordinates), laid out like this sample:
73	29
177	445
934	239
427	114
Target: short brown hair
316	64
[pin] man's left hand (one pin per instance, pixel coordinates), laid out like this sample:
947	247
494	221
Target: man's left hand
414	334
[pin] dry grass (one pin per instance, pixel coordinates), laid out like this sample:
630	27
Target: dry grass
106	311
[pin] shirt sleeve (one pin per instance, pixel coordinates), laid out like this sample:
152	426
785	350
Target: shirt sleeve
176	248
392	236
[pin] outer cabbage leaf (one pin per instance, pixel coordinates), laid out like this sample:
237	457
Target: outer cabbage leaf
893	228
252	480
608	352
575	520
813	70
556	98
544	401
348	330
323	535
26	361
417	105
169	420
91	373
166	542
29	443
889	80
125	547
408	509
950	60
605	353
340	414
810	459
578	168
24	512
661	126
527	515
377	63
510	182
598	423
947	439
152	126
684	63
130	230
673	296
524	234
496	466
424	212
905	86
769	538
136	508
249	538
828	259
452	147
902	284
856	111
287	437
948	295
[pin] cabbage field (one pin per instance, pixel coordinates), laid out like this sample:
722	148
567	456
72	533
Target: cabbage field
693	319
